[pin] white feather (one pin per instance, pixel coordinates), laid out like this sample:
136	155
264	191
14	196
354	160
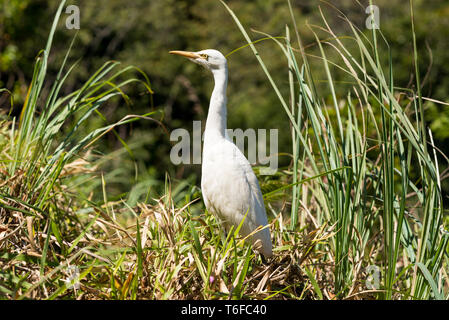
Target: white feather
229	185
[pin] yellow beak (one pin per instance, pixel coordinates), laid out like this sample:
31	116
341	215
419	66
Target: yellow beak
186	54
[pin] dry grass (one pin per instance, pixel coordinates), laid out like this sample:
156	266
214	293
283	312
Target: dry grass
147	252
156	250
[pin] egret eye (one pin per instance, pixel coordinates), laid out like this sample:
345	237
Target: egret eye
204	56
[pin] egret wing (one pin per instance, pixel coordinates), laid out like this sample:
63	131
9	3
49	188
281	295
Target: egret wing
231	191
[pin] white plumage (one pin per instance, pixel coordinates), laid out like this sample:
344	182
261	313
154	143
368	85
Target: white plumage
229	186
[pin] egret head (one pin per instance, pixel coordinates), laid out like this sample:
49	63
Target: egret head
210	59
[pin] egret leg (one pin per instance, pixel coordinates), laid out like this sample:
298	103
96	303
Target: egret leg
264	260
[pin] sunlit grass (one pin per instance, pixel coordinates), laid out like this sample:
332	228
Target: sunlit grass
372	199
348	201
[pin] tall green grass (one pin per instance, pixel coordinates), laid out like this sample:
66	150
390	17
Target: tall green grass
161	248
364	190
44	147
368	190
37	146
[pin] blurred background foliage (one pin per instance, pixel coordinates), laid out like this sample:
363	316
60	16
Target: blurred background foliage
141	33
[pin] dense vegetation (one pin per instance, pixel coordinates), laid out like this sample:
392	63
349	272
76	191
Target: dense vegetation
362	117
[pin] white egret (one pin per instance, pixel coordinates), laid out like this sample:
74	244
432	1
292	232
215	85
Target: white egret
229	186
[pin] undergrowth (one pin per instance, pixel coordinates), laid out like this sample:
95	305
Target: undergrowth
363	193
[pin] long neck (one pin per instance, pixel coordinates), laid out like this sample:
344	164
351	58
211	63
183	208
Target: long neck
216	117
